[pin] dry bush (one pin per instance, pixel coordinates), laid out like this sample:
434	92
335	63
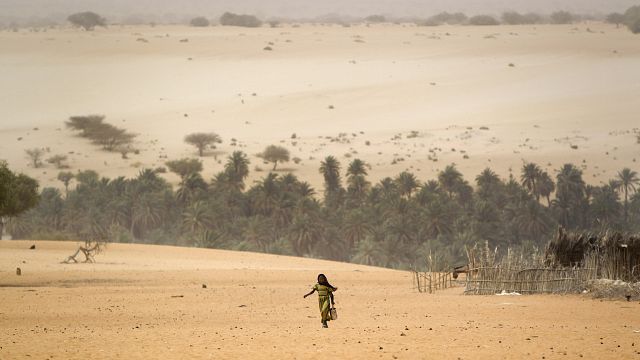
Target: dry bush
59	161
35	156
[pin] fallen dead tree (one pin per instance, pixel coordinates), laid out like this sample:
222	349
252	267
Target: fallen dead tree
89	250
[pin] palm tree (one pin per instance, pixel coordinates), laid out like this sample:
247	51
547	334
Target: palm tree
490	186
530	178
357	168
437	218
546	186
197	218
305	232
330	170
356	227
358	188
532	220
147	212
192	188
237	169
367	252
449	178
406	183
628	180
605	206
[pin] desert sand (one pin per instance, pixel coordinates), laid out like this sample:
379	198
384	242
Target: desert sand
474	96
145	302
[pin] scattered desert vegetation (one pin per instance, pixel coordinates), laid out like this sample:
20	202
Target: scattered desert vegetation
391	223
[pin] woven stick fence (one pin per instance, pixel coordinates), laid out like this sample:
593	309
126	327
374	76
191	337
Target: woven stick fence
434	278
524	275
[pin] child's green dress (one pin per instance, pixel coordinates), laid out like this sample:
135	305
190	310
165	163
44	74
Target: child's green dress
323	300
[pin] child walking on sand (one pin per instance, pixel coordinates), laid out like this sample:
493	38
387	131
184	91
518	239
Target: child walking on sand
325	297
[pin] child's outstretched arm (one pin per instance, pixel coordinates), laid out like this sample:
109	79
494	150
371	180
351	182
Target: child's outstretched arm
310	292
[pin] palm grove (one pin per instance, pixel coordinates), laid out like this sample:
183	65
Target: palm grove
392	223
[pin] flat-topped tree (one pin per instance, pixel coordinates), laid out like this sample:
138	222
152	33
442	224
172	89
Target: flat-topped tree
203	140
18	193
275	154
84	123
87	20
110	137
185	167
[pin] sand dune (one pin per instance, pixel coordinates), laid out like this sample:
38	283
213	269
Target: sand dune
141	302
538	91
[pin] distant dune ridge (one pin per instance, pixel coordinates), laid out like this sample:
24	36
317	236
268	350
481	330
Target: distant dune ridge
300	8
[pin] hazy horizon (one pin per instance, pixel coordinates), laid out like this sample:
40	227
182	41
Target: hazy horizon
170	10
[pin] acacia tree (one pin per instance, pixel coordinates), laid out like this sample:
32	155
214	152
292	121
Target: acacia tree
110	137
202	140
35	155
275	154
87	20
185	167
18	193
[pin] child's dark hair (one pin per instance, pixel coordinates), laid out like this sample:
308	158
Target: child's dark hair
322	280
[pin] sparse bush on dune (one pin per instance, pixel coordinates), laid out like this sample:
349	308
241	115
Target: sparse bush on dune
563	17
632	19
375	19
59	161
231	19
199	21
483	20
515	18
87	20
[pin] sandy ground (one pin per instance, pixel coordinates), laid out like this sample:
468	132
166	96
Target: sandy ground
142	302
537	90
